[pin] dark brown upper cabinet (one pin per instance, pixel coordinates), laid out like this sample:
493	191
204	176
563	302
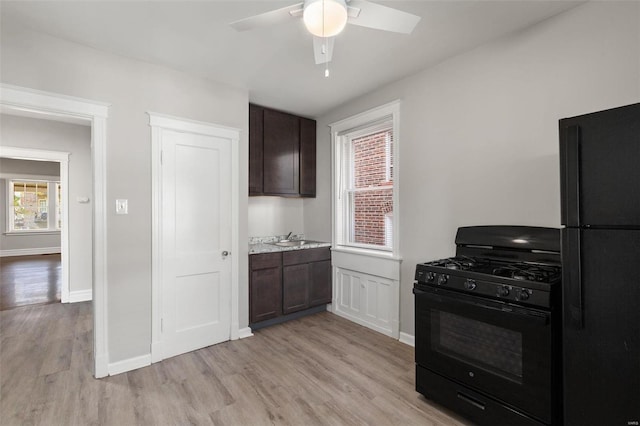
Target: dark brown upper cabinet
307	157
282	153
256	153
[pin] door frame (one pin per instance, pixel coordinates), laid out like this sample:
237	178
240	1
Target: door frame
61	158
159	123
59	107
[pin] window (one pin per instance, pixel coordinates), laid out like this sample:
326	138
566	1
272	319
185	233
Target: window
34	205
364	194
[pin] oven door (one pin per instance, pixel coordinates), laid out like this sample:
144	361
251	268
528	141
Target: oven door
501	350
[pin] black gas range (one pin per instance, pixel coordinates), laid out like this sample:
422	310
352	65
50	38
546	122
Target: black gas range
514	282
488	326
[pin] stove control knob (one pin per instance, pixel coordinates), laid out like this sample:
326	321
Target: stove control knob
470	284
522	294
431	277
442	279
503	291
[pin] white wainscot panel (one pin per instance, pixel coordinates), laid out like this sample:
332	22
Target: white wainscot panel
368	300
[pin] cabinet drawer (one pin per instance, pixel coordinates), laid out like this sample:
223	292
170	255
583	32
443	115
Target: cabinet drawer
265	260
306	255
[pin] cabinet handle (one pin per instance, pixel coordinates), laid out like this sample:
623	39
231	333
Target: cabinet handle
225	253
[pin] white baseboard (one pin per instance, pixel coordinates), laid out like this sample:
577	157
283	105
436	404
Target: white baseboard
156	352
129	364
244	333
407	339
30	251
364	323
80	296
101	366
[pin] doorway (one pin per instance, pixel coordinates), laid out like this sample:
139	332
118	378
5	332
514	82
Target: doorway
62	108
62	159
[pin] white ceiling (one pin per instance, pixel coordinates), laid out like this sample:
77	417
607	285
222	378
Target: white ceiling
276	64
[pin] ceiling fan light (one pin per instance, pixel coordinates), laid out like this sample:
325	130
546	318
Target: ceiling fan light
329	23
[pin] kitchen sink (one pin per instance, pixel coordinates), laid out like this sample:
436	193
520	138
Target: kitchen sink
293	243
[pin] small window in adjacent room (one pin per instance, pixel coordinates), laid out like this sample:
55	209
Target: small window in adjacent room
364	196
33	206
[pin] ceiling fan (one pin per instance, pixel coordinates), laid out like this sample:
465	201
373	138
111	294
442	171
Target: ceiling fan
327	18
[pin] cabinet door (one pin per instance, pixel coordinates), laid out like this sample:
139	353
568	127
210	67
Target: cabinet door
307	157
321	283
281	153
256	153
295	288
266	294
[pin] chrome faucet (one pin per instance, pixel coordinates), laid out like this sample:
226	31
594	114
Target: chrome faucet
288	235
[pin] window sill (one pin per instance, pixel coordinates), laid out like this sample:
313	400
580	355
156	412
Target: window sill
366	252
22	233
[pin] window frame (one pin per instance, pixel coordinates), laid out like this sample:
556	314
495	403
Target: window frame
52	219
342	132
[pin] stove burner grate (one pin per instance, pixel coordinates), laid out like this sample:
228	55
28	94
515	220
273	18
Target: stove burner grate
462	263
527	271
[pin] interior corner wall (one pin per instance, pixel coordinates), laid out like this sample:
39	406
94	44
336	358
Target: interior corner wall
479	133
26	242
39	61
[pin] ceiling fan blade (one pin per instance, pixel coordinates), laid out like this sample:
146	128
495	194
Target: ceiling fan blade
273	17
373	15
323	49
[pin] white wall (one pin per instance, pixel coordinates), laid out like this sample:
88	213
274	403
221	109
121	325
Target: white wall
478	133
27	167
33	133
132	88
270	216
10	168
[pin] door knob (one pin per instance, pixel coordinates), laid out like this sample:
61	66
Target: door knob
225	253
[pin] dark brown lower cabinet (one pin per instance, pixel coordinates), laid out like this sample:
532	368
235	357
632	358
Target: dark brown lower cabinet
284	283
295	288
265	289
320	287
306	279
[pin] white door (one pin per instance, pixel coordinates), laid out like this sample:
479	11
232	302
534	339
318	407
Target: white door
196	239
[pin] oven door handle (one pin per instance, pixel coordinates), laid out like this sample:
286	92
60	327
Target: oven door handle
531	316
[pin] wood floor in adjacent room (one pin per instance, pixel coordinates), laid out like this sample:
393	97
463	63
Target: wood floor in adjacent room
29	280
317	370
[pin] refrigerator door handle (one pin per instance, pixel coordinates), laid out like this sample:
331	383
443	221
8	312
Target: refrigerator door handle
572	278
570	152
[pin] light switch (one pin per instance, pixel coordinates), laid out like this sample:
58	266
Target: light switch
122	207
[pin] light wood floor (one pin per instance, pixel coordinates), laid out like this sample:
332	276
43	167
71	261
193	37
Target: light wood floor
29	280
317	370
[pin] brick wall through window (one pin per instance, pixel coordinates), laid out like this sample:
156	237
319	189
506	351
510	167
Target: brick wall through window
372	199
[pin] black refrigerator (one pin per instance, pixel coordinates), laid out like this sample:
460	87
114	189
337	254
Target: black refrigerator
600	187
